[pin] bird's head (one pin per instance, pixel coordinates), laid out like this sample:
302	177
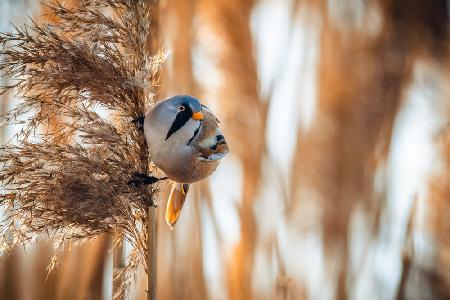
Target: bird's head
181	110
177	118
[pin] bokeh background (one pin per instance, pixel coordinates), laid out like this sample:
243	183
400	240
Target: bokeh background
337	186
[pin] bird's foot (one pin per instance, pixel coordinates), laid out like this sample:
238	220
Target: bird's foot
140	179
139	122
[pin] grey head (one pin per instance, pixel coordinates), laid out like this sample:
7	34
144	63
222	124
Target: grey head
172	123
176	114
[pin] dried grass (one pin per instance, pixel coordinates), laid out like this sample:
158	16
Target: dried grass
69	181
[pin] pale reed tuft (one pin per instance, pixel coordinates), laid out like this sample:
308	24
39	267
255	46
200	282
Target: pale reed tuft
69	181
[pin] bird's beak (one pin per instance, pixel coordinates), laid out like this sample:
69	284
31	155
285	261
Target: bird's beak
197	115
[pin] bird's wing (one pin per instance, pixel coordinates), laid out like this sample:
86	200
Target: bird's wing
211	144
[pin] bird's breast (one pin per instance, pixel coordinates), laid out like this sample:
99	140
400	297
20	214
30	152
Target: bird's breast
188	170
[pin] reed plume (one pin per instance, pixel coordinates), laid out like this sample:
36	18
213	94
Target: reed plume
69	181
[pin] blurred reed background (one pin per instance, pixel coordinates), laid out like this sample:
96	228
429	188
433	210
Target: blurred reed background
338	182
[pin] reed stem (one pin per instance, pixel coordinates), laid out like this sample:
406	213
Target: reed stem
153	47
151	253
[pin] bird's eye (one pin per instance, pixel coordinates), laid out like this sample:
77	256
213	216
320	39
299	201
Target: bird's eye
181	108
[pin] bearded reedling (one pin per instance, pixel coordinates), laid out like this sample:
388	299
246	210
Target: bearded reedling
184	140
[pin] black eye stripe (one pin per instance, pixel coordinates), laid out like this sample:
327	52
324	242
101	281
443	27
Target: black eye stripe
181	119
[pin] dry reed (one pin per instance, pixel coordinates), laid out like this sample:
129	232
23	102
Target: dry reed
70	181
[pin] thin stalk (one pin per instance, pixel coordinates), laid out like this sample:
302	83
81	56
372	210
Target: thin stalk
151	255
153	47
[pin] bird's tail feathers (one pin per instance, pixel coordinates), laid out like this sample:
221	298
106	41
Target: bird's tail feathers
175	202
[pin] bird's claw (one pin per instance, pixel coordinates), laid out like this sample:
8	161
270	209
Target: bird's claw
139	122
143	179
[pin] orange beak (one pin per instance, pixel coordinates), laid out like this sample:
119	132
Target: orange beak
197	115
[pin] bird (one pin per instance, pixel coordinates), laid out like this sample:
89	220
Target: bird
184	140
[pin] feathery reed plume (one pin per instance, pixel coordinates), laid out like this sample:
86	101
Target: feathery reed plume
70	182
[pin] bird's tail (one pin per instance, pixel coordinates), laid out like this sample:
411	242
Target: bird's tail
175	202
